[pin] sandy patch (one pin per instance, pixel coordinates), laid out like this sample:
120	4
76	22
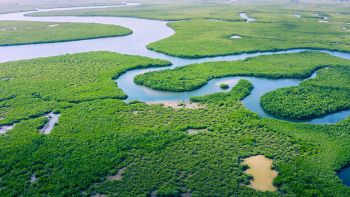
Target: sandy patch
260	169
33	179
118	176
8	28
6	128
297	15
244	16
98	195
53	25
345	28
154	193
235	37
53	120
323	21
187	194
196	131
5	79
178	105
213	19
136	112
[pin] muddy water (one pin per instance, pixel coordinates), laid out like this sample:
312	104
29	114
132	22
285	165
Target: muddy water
260	168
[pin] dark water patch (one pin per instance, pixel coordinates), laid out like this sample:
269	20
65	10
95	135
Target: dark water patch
344	175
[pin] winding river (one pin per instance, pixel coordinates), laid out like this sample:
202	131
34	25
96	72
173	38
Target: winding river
145	32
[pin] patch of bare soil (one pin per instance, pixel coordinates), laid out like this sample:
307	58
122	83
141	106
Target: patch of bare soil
260	168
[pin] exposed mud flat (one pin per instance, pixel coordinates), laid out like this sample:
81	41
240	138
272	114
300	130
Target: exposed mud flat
260	168
154	193
8	29
196	131
244	16
178	104
187	194
213	19
33	179
6	128
231	1
136	112
235	37
118	176
53	25
297	15
5	78
53	120
98	195
323	21
345	28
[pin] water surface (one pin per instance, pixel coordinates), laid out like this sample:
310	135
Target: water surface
135	44
344	175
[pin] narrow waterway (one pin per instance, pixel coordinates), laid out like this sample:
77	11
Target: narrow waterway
145	32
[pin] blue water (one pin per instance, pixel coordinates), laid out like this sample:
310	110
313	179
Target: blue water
344	175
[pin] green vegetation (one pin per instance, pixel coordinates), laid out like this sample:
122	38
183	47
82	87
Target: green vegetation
24	32
224	86
296	65
276	27
34	87
328	92
8	6
200	38
98	134
240	91
216	9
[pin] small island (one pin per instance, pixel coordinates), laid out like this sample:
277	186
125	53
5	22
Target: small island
224	86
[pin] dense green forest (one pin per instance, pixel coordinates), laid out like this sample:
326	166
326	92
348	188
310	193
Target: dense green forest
295	65
204	28
329	92
24	32
104	145
34	87
97	136
201	37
